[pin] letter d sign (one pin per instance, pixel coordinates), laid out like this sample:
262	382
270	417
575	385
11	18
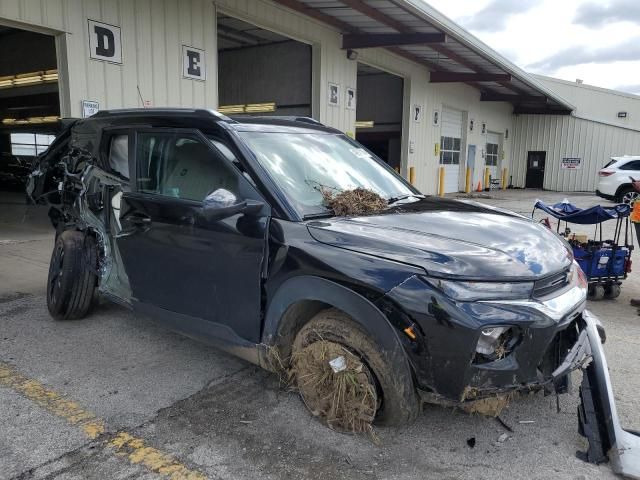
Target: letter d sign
105	42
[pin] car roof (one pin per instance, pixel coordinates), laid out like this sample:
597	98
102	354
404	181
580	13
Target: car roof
626	158
201	118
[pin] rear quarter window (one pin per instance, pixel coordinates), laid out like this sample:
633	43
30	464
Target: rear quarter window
119	155
633	165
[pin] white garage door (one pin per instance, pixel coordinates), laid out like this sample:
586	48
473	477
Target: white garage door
491	158
450	146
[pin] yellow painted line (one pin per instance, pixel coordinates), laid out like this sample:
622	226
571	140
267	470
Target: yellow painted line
122	444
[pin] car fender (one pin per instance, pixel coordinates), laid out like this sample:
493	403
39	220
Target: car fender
364	313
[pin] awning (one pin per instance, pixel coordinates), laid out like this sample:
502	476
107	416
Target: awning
414	30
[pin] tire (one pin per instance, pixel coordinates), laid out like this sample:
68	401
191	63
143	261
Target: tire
627	195
398	405
72	279
612	291
596	292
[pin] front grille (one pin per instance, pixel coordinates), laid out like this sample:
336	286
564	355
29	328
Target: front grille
551	284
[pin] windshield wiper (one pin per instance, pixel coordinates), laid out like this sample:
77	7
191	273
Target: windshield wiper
315	216
391	200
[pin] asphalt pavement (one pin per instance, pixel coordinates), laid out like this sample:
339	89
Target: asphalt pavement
115	396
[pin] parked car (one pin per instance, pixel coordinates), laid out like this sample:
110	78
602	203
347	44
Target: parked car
219	229
615	179
14	171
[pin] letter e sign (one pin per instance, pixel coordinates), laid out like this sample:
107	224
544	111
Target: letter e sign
193	63
105	42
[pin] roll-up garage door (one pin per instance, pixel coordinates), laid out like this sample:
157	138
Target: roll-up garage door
491	158
450	147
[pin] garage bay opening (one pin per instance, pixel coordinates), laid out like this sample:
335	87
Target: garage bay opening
29	102
379	113
262	72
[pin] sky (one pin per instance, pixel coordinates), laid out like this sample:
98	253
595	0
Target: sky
597	41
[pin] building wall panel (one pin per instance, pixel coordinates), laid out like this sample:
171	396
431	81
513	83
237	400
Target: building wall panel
569	137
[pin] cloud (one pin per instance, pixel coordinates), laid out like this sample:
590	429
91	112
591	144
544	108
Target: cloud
634	88
599	14
579	55
493	17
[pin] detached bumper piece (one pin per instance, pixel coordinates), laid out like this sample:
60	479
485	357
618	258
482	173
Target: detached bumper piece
597	415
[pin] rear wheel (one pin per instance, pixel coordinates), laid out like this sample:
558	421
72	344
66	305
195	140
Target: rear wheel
372	383
596	292
627	195
72	278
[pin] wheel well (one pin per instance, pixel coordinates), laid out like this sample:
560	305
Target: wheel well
622	187
293	319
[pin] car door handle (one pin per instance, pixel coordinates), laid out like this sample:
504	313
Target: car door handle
138	220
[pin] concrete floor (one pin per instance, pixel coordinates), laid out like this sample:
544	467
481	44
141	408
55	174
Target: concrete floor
216	416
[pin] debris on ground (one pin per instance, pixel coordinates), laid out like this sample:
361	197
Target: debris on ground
358	201
526	422
345	400
504	424
471	442
503	438
490	406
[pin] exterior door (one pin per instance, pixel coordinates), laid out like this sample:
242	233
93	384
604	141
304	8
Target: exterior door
492	159
535	169
450	147
198	267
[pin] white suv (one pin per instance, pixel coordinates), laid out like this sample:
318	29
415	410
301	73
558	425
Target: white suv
615	181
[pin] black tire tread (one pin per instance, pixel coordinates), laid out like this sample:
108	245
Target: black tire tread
80	261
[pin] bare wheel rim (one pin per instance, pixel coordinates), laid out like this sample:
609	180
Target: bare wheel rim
630	197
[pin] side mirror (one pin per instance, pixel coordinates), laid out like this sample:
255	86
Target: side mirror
222	203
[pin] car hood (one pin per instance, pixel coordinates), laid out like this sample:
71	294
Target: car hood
451	238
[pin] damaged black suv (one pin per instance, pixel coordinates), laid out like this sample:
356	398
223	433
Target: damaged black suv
220	229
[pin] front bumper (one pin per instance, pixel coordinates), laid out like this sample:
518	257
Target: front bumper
597	414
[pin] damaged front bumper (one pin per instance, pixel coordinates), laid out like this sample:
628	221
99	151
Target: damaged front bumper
597	415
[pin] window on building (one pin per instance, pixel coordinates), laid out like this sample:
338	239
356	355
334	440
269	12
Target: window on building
449	151
30	144
491	157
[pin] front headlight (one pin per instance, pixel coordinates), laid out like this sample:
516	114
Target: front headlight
470	291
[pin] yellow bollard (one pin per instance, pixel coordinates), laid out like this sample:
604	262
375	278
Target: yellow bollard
504	178
486	178
441	182
412	175
467	182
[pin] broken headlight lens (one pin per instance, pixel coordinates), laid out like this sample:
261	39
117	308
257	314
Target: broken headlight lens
468	291
490	339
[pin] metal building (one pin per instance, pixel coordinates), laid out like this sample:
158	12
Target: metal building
565	153
411	85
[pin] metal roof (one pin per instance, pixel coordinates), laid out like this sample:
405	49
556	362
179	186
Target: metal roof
415	30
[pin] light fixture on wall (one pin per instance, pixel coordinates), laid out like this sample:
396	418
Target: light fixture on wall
506	134
365	124
26	79
30	120
622	114
352	54
248	108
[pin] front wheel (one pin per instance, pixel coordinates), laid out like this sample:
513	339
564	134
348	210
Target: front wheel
72	279
365	386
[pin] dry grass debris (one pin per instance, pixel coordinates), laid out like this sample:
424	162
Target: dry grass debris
346	401
358	201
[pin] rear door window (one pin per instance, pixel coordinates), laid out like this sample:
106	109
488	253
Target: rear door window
633	165
119	155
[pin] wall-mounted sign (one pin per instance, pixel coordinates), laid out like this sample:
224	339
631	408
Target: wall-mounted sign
571	163
105	42
417	113
89	108
194	64
351	98
334	94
